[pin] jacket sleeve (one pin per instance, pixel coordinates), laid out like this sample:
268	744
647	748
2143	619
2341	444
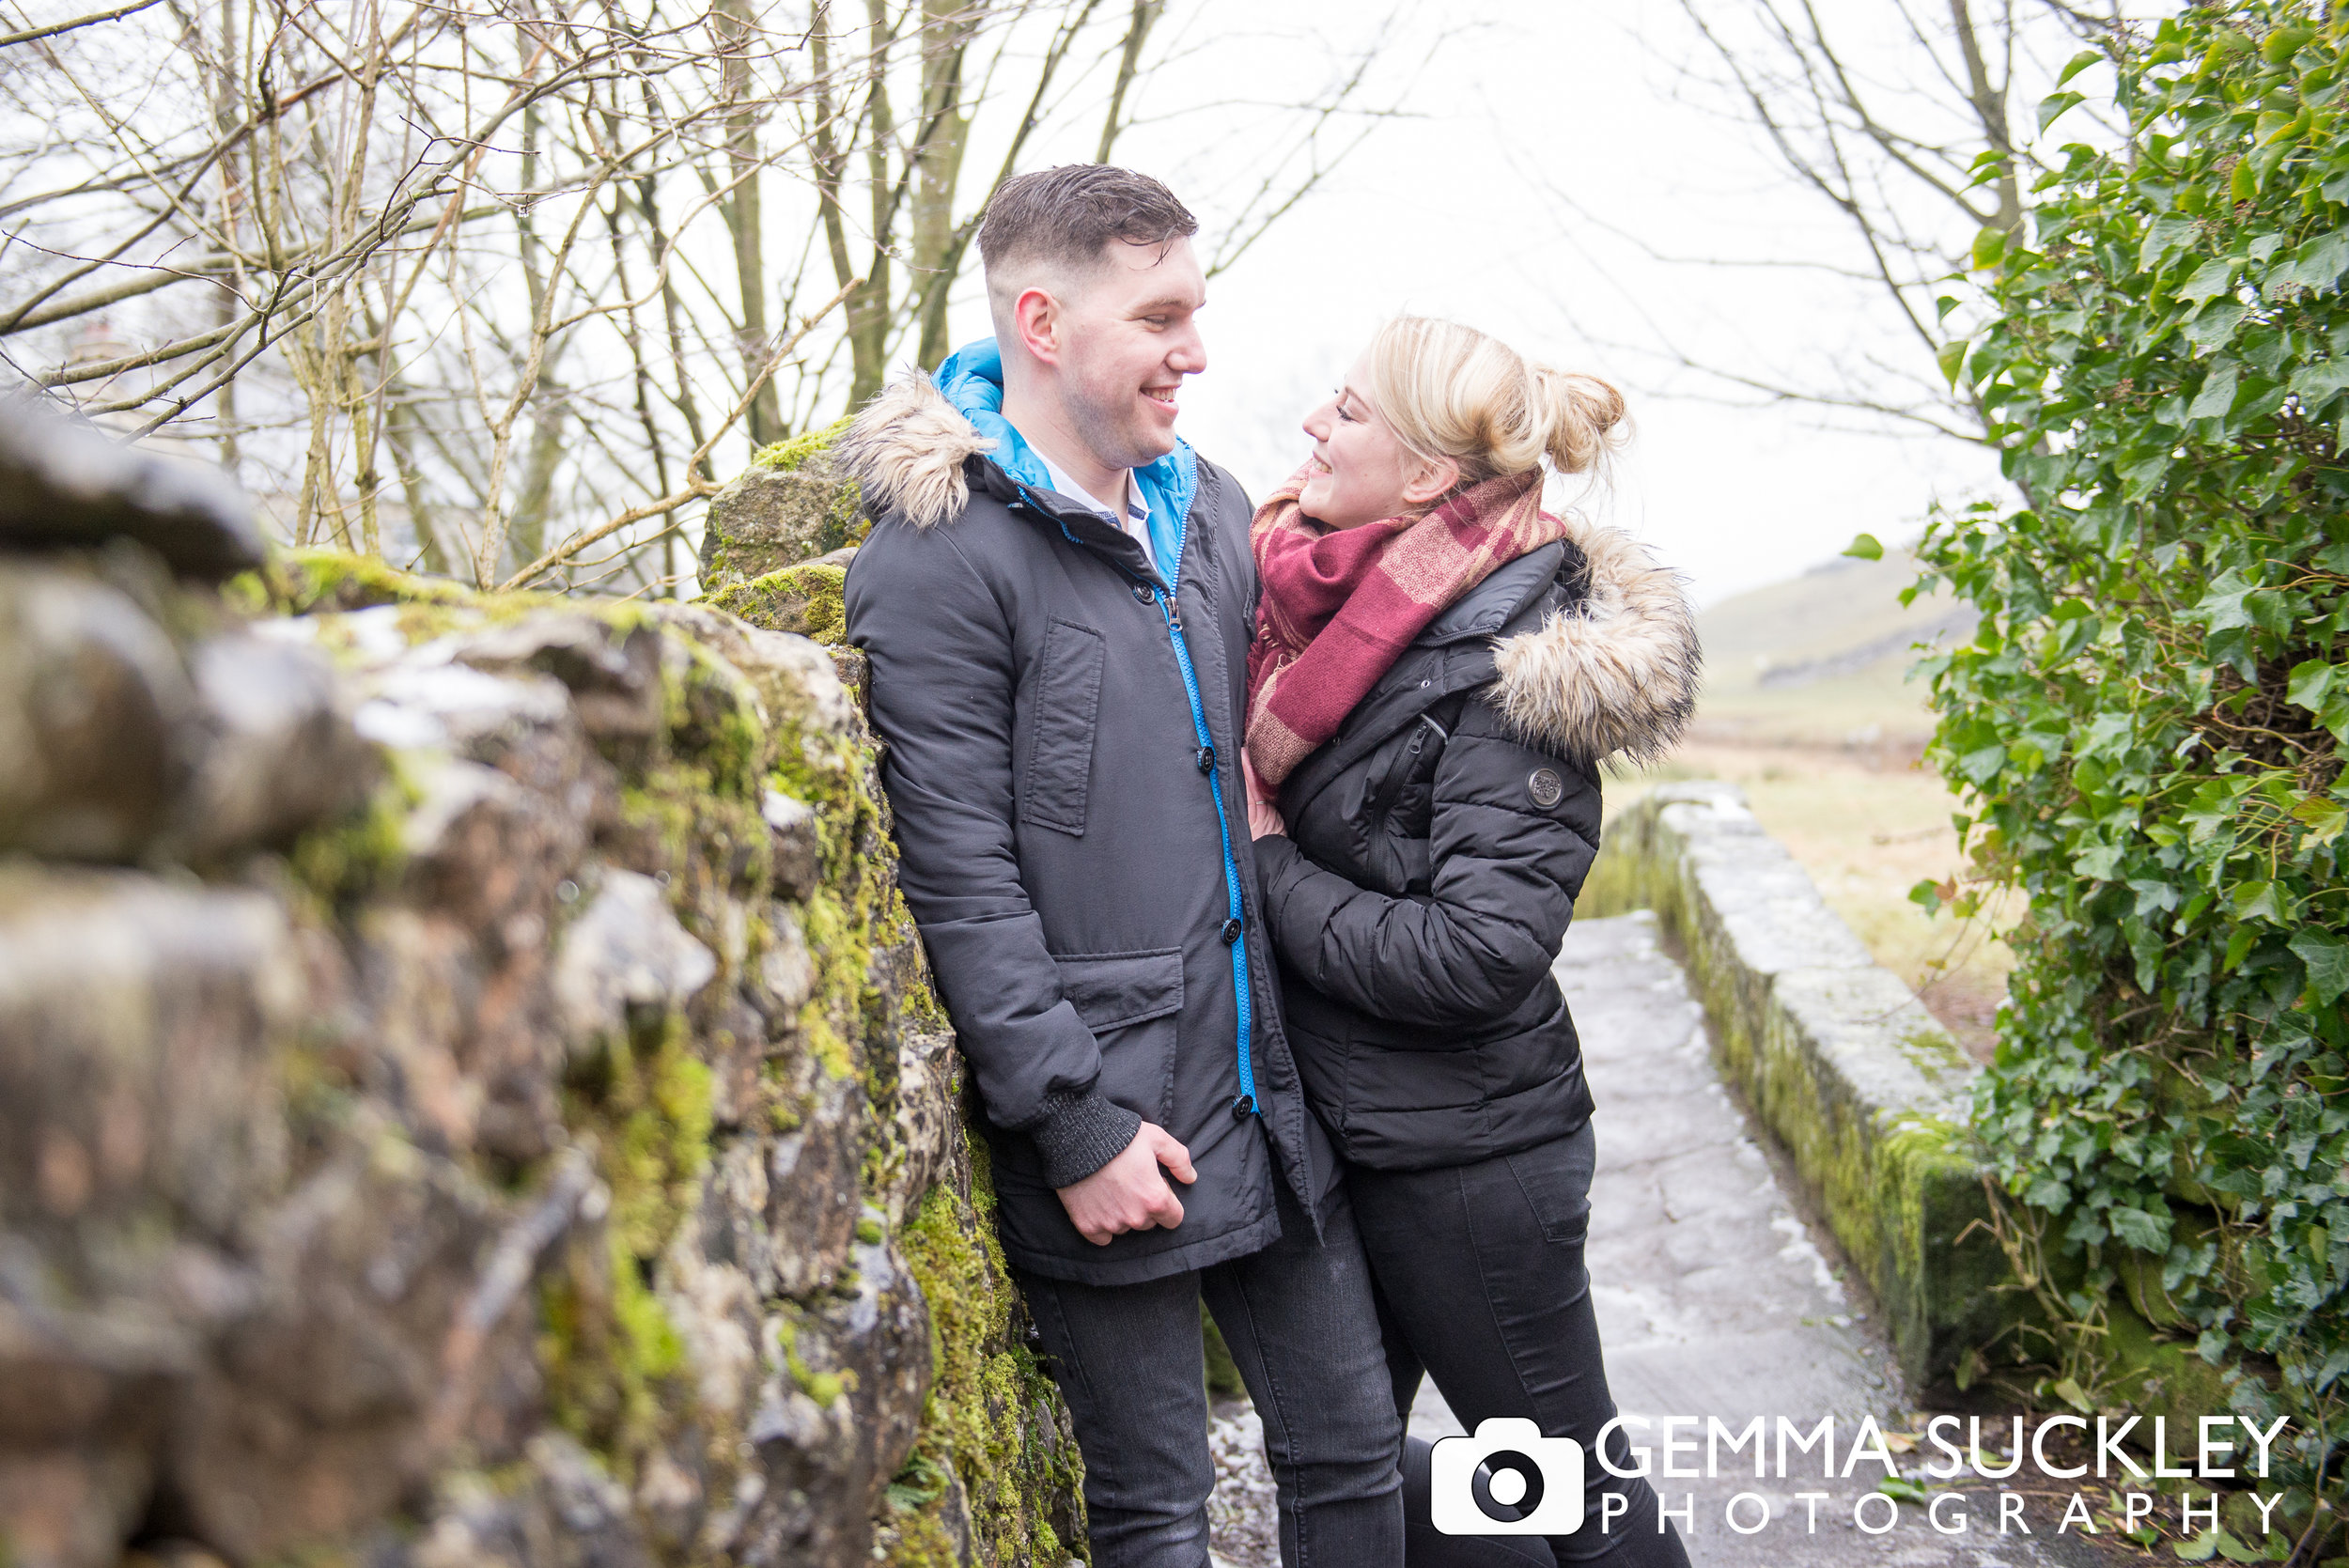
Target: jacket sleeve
942	683
1505	870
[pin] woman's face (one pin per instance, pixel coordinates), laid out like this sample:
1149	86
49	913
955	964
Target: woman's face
1359	472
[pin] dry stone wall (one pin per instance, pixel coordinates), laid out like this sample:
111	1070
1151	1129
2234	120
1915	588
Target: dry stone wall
469	1092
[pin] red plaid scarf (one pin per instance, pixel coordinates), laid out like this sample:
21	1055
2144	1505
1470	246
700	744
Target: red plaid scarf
1340	605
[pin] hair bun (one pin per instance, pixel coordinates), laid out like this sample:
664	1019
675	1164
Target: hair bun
1580	415
1446	390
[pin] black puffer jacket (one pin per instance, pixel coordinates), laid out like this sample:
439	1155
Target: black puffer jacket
1436	843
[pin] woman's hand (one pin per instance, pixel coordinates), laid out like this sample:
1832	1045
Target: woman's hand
1264	817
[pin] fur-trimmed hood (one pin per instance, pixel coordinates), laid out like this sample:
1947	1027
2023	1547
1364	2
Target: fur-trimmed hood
907	448
1617	674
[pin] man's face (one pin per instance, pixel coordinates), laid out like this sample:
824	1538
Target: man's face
1131	336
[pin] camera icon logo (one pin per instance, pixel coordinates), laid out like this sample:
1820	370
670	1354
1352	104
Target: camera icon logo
1507	1480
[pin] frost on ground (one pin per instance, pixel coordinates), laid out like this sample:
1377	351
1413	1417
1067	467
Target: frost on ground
1243	1523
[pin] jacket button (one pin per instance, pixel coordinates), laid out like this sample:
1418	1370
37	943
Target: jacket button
1206	759
1232	929
1142	593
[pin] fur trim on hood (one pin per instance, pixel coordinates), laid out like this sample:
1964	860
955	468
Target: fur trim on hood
906	447
1617	674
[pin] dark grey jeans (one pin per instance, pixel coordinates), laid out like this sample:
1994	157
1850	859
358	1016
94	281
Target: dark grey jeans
1482	1286
1300	1324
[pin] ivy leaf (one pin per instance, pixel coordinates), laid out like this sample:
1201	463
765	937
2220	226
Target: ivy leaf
2072	1394
2278	47
2309	683
2145	1232
2317	265
2216	323
2201	1549
1864	547
2318	384
2163	237
2326	819
2054	105
2327	959
1950	357
2218	393
2258	901
2235	1551
2211	279
2222	606
2098	864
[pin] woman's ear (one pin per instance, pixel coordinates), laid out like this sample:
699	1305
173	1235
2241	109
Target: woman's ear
1430	479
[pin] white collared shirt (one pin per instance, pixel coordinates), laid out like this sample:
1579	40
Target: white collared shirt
1137	518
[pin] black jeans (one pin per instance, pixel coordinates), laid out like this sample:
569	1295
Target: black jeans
1300	1323
1481	1285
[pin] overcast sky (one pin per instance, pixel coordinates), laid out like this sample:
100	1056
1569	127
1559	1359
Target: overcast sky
1446	213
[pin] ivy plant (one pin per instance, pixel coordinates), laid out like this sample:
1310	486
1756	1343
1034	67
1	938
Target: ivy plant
2146	729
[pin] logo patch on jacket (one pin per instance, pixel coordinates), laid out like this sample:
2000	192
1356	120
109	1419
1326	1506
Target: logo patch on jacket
1545	787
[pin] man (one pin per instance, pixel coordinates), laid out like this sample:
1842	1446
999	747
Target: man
1057	600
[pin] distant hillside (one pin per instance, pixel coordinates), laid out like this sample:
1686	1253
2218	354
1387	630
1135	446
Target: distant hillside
1821	657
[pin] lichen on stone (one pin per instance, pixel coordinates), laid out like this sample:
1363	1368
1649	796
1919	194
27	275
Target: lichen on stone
1021	1476
789	453
805	599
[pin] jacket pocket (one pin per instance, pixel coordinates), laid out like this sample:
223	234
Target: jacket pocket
1065	715
1132	1002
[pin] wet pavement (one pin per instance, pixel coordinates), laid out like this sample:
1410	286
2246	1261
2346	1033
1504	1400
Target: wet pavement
1718	1298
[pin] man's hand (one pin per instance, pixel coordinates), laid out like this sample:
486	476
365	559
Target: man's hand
1128	1193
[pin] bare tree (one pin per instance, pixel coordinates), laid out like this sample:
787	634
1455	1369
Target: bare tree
1901	121
501	287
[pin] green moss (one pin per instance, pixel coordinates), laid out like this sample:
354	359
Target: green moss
806	599
822	1386
1016	1473
316	582
844	522
613	1363
713	723
344	861
1224	1378
912	1537
787	454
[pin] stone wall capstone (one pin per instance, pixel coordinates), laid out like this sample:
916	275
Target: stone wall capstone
469	1088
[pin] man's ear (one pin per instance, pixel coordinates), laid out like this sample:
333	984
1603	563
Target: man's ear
1432	478
1037	318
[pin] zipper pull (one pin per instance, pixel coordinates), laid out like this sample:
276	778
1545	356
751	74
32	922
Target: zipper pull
1172	613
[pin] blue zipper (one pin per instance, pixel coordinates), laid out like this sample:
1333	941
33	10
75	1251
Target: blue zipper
1235	924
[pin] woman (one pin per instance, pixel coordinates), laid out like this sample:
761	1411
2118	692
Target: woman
1440	667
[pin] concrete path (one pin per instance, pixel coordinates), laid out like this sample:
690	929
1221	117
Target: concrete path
1715	1299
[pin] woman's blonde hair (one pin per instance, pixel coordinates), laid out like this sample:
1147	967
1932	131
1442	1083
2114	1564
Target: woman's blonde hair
1449	391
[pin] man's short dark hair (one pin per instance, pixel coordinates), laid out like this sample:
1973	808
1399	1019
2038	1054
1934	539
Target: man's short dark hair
1066	217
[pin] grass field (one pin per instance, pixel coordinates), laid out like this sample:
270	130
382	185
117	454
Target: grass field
1806	708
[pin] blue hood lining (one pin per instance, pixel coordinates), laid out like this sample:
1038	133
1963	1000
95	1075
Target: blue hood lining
973	381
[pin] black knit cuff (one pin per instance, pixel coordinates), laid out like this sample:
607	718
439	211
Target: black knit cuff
1077	1134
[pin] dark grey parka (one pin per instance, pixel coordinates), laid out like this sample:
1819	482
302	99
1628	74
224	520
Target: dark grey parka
1061	850
1436	843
